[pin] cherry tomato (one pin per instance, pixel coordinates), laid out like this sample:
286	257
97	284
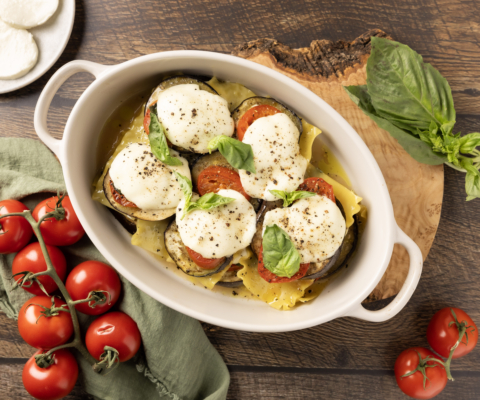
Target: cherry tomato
31	259
235	267
59	233
442	332
41	331
120	198
114	329
202	262
412	385
252	115
91	276
270	277
15	232
53	382
318	186
215	178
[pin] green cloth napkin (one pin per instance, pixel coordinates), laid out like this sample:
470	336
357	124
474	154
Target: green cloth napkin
176	360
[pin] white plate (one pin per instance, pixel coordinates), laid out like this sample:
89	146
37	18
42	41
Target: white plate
52	38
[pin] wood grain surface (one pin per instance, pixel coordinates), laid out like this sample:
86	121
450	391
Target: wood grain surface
346	358
416	189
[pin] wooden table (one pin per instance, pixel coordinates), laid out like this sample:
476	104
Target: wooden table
346	358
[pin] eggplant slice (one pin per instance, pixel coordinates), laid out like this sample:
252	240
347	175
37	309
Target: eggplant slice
230	280
178	80
237	114
216	159
178	253
154	215
325	268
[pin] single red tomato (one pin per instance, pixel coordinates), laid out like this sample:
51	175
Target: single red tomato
270	277
39	329
31	259
413	385
114	329
90	277
214	178
318	186
53	382
443	330
202	262
62	232
15	232
252	115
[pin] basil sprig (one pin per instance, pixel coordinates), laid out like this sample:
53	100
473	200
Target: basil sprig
239	155
206	202
413	102
290	197
279	254
158	141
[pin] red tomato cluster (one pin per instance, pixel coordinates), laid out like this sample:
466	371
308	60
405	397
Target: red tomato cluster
44	321
419	372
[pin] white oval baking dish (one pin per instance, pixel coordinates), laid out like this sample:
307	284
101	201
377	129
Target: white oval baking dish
76	152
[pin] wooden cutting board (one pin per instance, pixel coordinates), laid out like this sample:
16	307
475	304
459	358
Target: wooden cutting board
416	189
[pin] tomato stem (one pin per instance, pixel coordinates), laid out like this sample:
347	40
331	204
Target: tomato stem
462	331
51	272
423	365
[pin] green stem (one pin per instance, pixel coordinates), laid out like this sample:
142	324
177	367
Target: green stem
51	272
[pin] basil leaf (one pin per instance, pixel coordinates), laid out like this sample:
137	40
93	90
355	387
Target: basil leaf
472	179
417	148
158	142
239	155
186	186
405	90
279	254
290	197
469	142
206	202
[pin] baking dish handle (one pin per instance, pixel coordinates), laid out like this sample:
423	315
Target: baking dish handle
411	282
46	97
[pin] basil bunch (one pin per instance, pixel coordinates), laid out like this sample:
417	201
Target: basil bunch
413	102
279	254
290	197
206	202
239	155
158	141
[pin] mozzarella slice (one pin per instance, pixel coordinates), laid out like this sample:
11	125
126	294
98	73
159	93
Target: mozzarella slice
220	231
315	225
277	158
145	180
25	14
18	52
192	117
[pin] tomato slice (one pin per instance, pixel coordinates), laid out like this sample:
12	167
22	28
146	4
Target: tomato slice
270	277
120	198
318	186
252	115
214	178
202	262
235	267
146	119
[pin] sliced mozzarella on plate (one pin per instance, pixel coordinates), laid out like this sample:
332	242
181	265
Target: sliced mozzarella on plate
146	181
25	14
192	117
276	152
315	225
18	52
220	231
